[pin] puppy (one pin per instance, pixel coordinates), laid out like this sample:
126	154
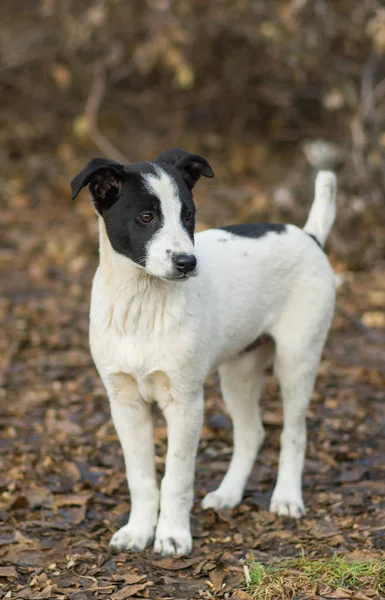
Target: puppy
168	308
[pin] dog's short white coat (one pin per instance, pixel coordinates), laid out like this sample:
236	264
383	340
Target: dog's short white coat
156	340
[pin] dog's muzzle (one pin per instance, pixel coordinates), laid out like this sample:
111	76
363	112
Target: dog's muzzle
184	263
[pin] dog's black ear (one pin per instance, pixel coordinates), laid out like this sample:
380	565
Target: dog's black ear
105	178
192	166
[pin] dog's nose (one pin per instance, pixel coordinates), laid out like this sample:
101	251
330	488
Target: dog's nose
185	263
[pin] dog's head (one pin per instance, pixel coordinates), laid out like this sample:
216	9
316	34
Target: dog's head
148	208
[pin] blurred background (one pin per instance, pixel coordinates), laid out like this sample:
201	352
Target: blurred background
268	91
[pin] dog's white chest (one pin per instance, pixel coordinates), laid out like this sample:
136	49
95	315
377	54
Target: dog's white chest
141	363
146	343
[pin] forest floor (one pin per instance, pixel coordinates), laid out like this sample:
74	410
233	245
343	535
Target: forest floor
62	481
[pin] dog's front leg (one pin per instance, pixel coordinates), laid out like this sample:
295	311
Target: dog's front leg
132	419
184	424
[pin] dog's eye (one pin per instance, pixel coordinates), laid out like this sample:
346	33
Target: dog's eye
146	218
189	217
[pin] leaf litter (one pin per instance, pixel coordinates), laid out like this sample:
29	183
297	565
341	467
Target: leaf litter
62	482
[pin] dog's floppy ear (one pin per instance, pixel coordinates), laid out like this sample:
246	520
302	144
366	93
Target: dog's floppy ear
192	166
105	177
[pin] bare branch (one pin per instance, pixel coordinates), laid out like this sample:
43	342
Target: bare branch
93	103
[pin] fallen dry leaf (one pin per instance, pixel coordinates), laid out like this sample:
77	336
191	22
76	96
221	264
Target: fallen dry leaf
129	590
324	530
360	596
241	595
39	496
8	572
128	578
217	578
175	564
72	499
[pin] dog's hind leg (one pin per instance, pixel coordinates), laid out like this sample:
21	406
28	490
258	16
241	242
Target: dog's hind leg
132	419
300	337
296	377
241	382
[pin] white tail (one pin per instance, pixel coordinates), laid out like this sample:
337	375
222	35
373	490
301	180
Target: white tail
323	211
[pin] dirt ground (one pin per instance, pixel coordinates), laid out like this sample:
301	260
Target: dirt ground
62	479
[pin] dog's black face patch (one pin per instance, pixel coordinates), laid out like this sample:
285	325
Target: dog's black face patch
126	217
254	230
152	217
148	208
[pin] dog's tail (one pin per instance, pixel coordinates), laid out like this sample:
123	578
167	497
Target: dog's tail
323	211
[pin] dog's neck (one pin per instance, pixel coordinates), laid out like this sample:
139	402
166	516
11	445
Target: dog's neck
137	299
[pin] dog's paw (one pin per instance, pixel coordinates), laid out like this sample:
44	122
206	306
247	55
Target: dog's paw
288	507
173	543
132	538
218	500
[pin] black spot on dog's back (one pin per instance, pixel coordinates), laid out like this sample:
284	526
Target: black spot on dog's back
255	230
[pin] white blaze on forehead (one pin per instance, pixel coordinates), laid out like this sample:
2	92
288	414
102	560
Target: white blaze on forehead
165	188
171	237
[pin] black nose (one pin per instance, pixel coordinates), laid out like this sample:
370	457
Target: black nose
185	263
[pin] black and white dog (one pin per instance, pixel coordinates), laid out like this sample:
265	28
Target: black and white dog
167	309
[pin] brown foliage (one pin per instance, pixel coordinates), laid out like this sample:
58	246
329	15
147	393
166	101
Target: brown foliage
268	90
62	483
